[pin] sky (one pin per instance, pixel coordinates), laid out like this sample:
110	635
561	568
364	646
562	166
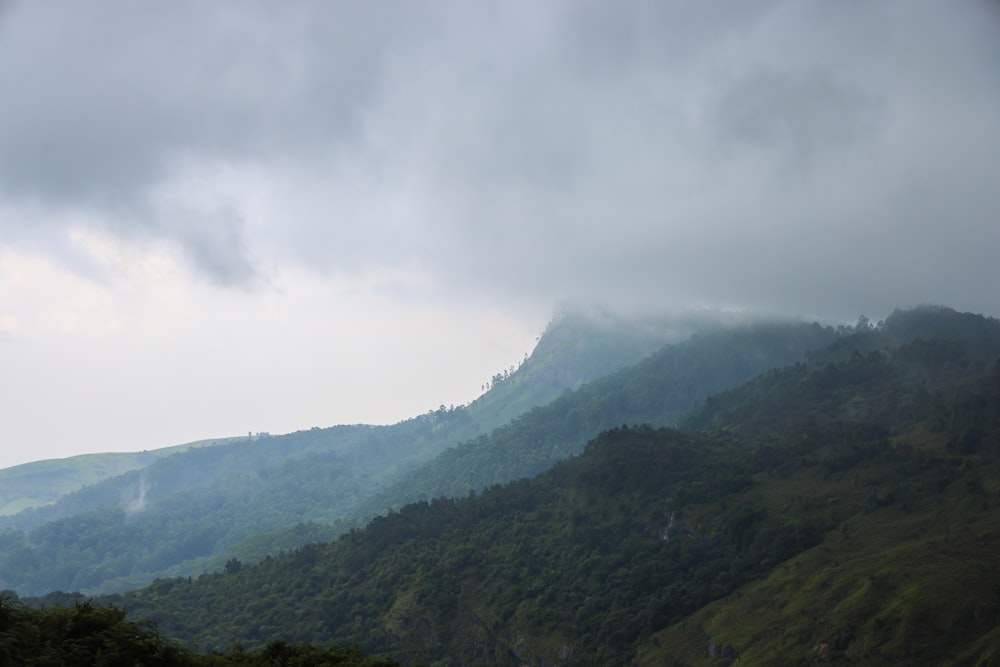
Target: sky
242	216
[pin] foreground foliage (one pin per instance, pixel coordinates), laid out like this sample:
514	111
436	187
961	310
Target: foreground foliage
88	634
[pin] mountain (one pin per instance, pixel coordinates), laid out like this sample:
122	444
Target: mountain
43	482
860	530
579	346
185	513
656	391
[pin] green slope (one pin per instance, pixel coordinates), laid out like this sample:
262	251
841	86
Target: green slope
890	589
524	569
622	552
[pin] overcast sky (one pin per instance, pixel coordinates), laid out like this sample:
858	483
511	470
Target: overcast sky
221	217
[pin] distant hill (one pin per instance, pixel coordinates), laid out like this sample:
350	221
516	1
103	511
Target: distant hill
42	483
183	513
861	530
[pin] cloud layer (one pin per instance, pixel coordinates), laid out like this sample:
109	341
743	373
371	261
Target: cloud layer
786	155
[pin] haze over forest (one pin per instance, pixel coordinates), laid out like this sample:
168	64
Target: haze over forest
249	216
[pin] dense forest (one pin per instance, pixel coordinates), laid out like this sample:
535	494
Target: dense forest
841	509
585	560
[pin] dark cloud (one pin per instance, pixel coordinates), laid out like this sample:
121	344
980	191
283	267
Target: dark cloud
107	96
812	156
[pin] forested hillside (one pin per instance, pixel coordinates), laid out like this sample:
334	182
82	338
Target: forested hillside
189	512
906	369
655	391
861	530
584	560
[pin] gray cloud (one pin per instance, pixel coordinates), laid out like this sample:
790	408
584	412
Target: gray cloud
791	115
812	156
108	94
